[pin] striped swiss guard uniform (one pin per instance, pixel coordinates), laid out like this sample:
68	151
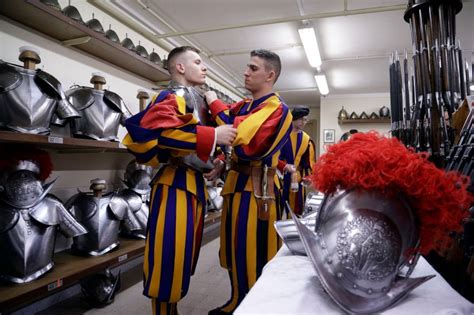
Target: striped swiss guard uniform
167	133
299	151
251	200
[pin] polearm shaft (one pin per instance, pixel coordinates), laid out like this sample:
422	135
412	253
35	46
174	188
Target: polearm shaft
468	81
406	120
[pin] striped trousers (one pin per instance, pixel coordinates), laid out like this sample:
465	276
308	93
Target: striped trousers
174	234
246	243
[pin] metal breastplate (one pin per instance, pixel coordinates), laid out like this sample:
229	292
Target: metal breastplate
196	105
139	209
27	238
101	113
24	104
101	217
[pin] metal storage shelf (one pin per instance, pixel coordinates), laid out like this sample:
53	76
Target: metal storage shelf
53	23
364	121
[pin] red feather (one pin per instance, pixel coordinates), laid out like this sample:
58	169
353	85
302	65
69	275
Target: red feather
369	161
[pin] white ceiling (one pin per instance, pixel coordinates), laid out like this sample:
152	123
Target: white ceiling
355	48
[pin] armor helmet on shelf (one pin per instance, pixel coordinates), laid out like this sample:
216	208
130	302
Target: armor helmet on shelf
364	116
73	13
112	35
154	57
138	177
99	289
128	43
52	4
384	112
342	114
140	50
377	218
95	25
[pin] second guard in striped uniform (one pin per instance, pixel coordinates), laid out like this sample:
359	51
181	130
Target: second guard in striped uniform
251	198
172	131
297	157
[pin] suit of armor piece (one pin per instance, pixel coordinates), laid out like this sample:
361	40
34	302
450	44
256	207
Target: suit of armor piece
101	111
29	218
370	230
29	97
137	195
101	215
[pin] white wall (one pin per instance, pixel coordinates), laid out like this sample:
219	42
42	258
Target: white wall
332	104
71	66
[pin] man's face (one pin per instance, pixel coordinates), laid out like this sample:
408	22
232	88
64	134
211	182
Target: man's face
256	75
300	123
194	70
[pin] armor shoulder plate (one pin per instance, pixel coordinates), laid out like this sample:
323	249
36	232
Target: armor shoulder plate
133	199
82	206
118	205
46	212
49	83
80	97
10	78
113	100
8	217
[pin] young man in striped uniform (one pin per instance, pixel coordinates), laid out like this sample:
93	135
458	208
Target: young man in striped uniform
171	131
251	201
298	155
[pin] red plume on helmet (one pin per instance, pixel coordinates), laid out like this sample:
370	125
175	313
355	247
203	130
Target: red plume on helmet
370	161
39	157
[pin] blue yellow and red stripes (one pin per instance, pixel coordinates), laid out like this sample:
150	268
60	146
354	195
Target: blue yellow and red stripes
247	243
300	152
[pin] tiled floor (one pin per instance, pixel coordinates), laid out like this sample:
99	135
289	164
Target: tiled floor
209	288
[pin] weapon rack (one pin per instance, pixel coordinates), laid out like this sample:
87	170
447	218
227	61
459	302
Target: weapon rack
68	32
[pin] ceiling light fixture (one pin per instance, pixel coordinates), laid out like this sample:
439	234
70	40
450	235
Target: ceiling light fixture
471	87
310	44
322	84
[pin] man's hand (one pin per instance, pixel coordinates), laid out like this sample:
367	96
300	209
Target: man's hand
225	134
219	166
289	168
210	96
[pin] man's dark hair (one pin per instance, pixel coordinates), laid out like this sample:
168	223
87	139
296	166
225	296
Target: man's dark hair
176	52
272	60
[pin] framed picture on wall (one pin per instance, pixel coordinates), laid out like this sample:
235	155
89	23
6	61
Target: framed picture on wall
329	135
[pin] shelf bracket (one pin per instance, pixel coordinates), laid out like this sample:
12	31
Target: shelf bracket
76	41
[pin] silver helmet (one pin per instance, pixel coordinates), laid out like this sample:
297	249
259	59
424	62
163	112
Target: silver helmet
138	177
359	249
376	218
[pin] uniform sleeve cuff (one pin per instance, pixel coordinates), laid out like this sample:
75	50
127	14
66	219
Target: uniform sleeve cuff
205	139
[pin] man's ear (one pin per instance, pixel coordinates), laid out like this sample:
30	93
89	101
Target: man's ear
180	68
271	76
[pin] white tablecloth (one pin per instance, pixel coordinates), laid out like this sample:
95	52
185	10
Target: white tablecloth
288	285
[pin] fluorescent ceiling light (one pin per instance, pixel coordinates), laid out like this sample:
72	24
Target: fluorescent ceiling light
322	84
471	87
310	44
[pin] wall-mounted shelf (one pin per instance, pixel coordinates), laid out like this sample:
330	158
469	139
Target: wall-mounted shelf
60	143
365	121
53	23
68	269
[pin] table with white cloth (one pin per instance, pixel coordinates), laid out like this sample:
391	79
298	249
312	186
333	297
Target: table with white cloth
288	285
